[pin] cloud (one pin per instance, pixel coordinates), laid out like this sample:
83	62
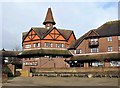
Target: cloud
81	17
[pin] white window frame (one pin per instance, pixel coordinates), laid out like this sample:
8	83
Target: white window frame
118	37
27	46
115	63
110	48
95	39
78	50
109	39
35	45
62	45
59	45
119	48
94	50
48	44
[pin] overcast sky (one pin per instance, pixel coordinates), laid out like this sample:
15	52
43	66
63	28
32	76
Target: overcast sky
18	17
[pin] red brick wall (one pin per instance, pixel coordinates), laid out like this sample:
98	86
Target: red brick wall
103	45
47	63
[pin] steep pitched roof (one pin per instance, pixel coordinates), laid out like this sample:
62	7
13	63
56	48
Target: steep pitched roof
49	17
42	32
111	28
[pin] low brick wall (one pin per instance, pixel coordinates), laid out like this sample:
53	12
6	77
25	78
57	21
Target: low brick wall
77	72
90	69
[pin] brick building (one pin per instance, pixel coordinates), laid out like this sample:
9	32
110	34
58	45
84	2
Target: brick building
98	47
51	47
46	47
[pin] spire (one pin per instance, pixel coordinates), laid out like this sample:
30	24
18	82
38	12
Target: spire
3	49
49	20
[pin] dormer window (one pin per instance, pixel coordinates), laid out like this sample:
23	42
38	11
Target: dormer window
93	42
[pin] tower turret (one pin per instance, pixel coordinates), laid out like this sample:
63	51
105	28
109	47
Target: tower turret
49	20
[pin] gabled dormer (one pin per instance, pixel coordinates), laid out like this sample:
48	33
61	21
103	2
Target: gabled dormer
31	36
54	34
93	39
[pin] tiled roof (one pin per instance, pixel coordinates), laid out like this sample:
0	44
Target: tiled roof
100	57
39	52
9	53
111	28
42	32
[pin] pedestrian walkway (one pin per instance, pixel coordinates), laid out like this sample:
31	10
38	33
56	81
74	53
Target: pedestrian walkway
61	81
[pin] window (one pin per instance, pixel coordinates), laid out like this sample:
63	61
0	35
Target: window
115	63
36	45
28	46
109	48
48	44
109	39
78	51
59	45
97	64
62	45
59	56
118	48
94	50
30	63
94	41
118	37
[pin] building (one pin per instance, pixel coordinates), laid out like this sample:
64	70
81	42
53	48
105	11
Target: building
10	62
51	47
98	47
46	47
9	57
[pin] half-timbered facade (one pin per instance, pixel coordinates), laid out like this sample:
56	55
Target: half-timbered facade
98	47
46	47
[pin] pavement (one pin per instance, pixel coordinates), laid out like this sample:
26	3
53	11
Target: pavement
61	81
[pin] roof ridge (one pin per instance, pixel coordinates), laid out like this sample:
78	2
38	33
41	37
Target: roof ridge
64	29
108	23
39	27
